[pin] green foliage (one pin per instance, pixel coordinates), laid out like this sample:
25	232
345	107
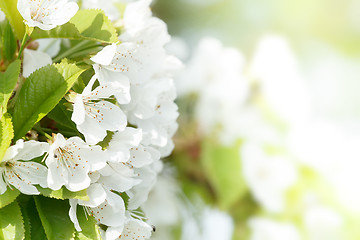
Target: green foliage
9	42
88	24
11	222
223	168
27	225
33	227
54	216
90	230
78	49
105	143
41	92
8	82
8	197
63	193
6	134
14	17
62	116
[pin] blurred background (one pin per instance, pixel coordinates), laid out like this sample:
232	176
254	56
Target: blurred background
268	146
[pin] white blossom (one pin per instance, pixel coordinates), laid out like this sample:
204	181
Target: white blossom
69	162
140	192
122	142
105	206
269	177
18	171
50	46
94	115
46	14
135	229
266	229
108	6
215	75
118	176
110	65
34	60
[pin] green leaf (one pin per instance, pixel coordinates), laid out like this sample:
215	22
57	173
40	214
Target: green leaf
90	230
41	92
11	222
63	193
89	24
8	82
8	197
222	166
6	134
54	216
22	201
62	116
33	226
14	17
9	42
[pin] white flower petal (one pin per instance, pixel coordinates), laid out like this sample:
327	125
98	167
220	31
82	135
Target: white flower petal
113	233
56	175
106	55
46	14
106	76
78	115
92	132
78	180
111	212
34	60
140	157
97	196
119	177
30	149
136	229
69	163
139	193
32	172
3	185
73	215
50	46
21	184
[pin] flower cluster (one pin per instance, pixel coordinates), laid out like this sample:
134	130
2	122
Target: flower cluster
125	117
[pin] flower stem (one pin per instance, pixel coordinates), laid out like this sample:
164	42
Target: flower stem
83	45
41	130
23	43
